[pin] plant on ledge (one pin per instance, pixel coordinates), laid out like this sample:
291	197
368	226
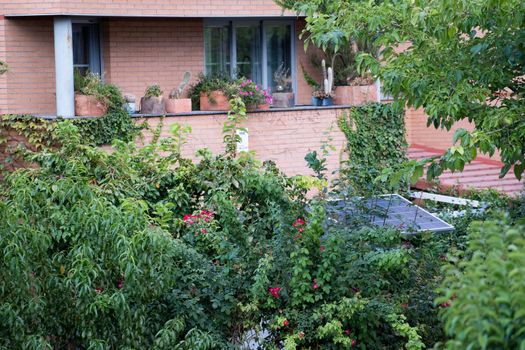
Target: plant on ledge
323	92
91	95
152	102
253	95
212	92
175	103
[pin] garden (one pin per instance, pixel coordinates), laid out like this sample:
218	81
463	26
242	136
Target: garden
141	248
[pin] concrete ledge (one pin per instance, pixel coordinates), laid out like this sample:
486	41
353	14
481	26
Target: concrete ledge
201	113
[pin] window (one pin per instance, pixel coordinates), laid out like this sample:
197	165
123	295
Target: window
279	55
251	49
86	48
217	48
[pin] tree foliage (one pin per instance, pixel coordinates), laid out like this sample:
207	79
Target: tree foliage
482	295
459	60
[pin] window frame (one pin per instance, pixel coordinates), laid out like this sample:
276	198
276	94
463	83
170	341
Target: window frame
263	23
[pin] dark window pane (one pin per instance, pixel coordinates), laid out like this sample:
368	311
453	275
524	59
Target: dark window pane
217	50
279	56
248	40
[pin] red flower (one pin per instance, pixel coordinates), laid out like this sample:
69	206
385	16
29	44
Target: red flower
315	285
286	323
99	290
300	229
274	292
347	331
445	304
353	342
298	222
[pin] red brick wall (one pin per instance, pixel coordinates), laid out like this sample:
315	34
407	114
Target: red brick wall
29	52
142	52
419	133
284	137
183	8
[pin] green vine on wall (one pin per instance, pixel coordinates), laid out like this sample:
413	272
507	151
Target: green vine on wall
375	136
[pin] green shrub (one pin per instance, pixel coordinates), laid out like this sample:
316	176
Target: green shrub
483	293
141	248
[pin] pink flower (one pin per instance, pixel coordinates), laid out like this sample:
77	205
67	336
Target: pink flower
286	323
315	285
346	331
204	231
301	335
274	292
322	248
353	342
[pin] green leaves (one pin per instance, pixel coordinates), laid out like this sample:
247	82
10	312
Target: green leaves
482	296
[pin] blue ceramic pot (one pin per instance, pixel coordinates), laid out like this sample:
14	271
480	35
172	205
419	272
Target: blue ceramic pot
327	101
316	101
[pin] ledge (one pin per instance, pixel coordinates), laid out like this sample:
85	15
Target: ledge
271	110
198	113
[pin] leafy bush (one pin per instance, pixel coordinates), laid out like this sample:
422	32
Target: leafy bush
375	135
482	295
141	248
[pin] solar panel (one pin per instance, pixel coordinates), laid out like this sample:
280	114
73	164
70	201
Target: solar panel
390	210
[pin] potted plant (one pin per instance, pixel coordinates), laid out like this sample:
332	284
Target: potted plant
323	93
212	93
283	96
130	104
176	104
90	97
351	87
152	102
253	95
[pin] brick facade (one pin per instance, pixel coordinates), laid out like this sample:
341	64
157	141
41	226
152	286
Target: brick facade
159	8
283	137
29	85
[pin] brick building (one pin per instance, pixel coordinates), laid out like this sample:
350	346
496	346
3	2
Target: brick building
135	43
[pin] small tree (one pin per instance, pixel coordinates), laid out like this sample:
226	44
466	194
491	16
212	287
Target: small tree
458	60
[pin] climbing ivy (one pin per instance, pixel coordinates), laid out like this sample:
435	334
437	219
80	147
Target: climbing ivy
375	136
18	132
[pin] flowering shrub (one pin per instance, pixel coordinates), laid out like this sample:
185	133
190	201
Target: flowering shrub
253	94
142	248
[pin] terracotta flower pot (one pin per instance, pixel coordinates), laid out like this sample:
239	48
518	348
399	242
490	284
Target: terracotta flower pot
283	99
355	95
179	105
89	106
152	105
217	101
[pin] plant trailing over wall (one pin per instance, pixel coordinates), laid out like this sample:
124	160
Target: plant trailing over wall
482	299
376	141
37	133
